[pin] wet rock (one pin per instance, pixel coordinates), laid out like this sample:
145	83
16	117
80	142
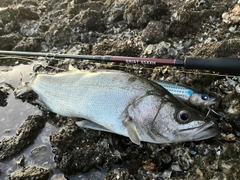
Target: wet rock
138	13
5	3
59	33
237	88
40	153
90	19
233	16
29	3
205	154
31	172
3	95
205	168
230	151
181	16
21	161
154	32
120	174
229	137
2	31
83	5
150	166
29	44
184	160
188	22
26	13
162	49
115	48
33	28
58	177
26	134
15	14
80	1
10	27
77	151
9	41
67	31
115	10
8	14
230	168
224	48
8	20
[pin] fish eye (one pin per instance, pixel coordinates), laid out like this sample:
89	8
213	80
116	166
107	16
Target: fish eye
205	97
184	116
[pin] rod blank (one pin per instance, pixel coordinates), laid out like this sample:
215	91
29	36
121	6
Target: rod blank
134	60
224	65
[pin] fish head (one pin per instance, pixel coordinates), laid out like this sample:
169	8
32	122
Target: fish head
202	100
161	118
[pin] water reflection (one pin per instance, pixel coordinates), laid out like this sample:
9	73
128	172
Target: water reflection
11	117
16	111
39	153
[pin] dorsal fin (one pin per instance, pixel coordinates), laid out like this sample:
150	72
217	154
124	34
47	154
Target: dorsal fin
71	68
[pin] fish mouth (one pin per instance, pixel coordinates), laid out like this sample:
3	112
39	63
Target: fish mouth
205	131
213	102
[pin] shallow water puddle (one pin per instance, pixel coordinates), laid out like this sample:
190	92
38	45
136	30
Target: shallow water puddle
39	153
11	117
16	111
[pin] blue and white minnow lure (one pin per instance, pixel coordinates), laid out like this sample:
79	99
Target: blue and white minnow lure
188	95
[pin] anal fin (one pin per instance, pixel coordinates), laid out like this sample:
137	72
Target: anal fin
91	125
39	102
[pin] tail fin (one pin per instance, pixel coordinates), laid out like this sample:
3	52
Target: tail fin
24	87
21	89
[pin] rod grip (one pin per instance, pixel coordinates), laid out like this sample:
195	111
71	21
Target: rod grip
223	65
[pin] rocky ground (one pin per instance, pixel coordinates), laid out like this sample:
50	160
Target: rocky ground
151	28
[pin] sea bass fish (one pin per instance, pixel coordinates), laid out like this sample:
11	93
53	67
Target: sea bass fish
120	103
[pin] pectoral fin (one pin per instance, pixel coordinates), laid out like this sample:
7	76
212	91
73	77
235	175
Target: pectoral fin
91	125
132	130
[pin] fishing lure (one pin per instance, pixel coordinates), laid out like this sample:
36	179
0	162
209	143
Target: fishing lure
189	95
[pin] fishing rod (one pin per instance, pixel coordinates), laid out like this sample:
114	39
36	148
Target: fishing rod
230	66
